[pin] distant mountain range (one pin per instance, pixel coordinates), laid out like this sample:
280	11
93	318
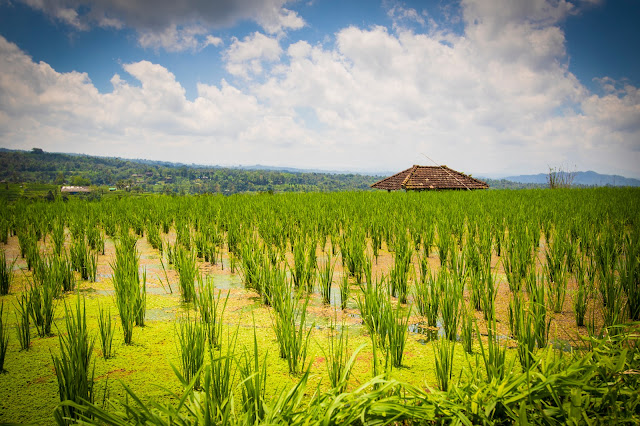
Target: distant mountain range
589	178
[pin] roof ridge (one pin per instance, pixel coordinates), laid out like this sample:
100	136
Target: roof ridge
409	175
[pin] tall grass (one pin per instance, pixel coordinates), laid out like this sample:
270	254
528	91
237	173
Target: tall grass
74	373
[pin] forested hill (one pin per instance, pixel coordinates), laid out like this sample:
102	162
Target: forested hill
37	166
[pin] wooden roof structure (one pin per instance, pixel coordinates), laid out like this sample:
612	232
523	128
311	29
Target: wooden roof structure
425	178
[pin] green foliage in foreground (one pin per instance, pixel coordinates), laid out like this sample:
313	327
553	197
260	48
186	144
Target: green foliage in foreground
600	385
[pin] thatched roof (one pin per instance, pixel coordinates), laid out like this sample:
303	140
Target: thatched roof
429	178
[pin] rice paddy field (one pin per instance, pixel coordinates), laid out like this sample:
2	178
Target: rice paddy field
365	308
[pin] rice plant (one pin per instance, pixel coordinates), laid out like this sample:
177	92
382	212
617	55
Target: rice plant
337	356
466	329
495	354
443	242
4	337
62	270
399	275
23	330
427	297
555	254
517	260
476	288
250	264
6	273
345	290
291	330
219	381
41	306
443	352
582	294
191	337
304	264
325	279
488	296
373	305
352	250
130	297
538	309
450	302
4	231
107	330
526	337
95	239
211	310
396	326
140	301
516	312
82	259
253	379
74	373
185	265
557	290
629	271
614	311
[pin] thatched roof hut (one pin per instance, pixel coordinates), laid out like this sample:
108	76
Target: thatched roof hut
427	178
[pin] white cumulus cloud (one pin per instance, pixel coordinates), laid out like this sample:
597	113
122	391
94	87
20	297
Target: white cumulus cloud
498	98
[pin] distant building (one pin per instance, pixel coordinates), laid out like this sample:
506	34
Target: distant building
74	189
429	178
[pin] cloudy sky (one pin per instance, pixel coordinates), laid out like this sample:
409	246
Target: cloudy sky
489	87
